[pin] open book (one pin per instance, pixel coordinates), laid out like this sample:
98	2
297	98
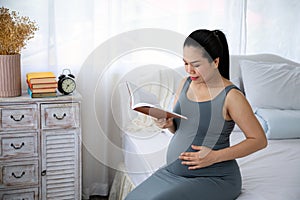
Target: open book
147	103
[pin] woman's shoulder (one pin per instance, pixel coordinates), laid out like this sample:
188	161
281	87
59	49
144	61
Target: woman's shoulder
181	84
234	94
229	86
183	80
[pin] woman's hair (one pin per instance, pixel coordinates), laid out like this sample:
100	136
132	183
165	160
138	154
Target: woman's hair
214	45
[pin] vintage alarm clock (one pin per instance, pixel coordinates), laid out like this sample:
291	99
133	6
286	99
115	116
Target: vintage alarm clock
66	82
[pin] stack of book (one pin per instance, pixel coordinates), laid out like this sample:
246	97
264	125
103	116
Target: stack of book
41	84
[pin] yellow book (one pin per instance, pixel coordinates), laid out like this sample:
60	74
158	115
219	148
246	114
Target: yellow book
38	75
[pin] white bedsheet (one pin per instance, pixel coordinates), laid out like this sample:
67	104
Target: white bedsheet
270	174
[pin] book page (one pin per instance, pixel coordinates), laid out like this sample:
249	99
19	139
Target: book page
147	103
140	97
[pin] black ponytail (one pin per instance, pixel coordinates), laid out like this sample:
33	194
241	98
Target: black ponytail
214	45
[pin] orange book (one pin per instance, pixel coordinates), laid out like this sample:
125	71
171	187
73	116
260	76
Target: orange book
42	85
42	80
42	90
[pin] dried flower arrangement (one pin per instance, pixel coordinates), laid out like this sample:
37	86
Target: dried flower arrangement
15	31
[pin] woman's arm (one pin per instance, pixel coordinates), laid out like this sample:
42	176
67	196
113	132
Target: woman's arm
241	112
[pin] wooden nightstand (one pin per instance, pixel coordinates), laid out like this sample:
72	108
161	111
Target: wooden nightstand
40	148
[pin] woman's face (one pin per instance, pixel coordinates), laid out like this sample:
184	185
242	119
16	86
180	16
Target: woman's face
197	66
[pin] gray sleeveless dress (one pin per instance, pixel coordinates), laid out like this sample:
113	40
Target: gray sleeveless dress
205	127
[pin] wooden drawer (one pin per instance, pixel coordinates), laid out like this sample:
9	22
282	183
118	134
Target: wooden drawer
64	115
18	117
18	145
20	194
23	173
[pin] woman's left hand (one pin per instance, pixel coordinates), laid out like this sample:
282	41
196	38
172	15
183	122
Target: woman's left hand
203	157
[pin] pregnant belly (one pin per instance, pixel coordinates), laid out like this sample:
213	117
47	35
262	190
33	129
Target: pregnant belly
181	142
219	169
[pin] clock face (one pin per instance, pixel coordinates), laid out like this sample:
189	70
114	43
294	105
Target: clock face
68	85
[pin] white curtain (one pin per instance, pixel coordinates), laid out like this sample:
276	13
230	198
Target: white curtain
273	26
74	34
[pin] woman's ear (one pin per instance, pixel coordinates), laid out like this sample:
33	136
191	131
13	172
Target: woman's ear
217	61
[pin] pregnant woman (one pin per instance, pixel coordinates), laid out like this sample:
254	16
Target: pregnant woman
200	161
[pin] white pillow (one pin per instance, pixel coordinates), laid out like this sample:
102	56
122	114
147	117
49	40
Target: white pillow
279	124
271	85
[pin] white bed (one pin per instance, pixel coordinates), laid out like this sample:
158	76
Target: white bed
270	174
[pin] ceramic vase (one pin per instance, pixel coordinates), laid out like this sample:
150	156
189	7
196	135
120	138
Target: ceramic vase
10	75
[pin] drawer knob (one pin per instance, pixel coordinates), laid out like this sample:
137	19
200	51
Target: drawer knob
18	146
59	118
17	120
13	174
44	172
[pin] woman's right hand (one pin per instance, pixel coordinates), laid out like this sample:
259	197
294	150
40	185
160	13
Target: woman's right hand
164	123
